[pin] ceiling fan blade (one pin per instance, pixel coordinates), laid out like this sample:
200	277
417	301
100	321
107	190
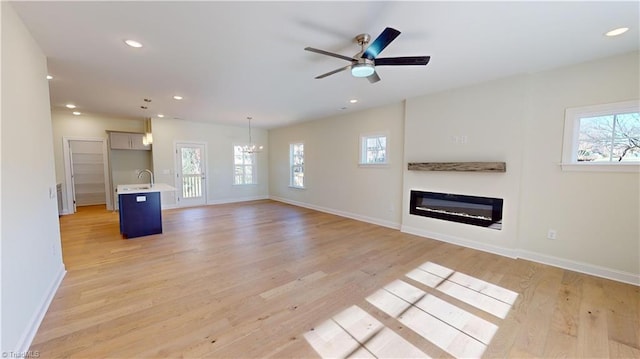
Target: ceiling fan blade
409	60
383	40
373	78
322	52
333	72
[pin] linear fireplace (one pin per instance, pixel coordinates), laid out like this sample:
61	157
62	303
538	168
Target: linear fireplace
478	211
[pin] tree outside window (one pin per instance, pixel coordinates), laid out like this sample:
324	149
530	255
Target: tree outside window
244	167
373	150
296	156
609	138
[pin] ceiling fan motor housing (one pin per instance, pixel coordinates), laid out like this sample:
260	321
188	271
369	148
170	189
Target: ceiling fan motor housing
364	62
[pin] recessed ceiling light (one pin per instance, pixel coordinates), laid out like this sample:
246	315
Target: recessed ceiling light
70	105
616	32
133	43
49	77
77	113
160	115
176	97
353	100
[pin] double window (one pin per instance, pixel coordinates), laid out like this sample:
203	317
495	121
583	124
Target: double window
244	166
296	161
605	135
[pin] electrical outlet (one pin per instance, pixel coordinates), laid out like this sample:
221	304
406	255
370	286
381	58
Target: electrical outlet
552	234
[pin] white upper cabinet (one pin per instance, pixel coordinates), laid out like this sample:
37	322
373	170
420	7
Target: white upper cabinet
127	141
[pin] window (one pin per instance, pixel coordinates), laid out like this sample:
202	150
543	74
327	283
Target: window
244	167
296	159
602	137
373	150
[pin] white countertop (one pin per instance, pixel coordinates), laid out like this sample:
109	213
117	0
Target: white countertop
144	188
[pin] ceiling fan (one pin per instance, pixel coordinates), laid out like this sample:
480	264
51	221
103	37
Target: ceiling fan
364	62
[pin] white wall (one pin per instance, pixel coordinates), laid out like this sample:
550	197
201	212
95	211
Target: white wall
65	124
490	115
596	215
87	125
520	120
220	140
125	169
334	182
32	265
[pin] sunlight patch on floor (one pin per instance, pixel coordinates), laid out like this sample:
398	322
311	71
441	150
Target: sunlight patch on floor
355	333
488	297
454	330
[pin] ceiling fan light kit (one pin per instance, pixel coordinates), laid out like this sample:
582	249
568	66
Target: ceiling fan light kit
362	70
363	64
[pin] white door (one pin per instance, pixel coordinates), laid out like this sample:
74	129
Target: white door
191	174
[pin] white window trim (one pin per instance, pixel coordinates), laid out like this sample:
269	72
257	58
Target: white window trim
362	151
255	168
571	131
304	166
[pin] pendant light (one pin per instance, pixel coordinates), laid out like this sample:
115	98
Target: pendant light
148	136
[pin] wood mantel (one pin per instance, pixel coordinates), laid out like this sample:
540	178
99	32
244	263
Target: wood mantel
459	166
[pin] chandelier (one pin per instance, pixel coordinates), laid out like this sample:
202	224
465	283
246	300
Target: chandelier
251	147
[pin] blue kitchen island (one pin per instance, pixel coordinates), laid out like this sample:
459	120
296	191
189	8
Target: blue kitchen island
140	209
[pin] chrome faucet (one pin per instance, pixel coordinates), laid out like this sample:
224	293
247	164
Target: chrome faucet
150	176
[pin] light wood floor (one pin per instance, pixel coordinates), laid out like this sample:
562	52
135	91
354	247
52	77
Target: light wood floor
262	279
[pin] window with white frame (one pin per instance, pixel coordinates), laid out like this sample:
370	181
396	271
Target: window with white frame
296	160
602	137
244	166
373	149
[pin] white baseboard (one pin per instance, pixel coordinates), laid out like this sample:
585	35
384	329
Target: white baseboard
576	266
505	252
237	199
357	217
36	319
563	263
581	267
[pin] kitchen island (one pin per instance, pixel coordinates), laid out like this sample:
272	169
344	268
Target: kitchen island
140	208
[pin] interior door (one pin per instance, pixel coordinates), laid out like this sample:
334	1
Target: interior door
191	174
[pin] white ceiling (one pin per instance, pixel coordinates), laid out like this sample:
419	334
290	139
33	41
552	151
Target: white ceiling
231	60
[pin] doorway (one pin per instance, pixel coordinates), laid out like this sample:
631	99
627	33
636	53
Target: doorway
191	174
86	172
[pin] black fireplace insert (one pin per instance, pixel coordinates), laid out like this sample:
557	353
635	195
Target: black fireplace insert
477	211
